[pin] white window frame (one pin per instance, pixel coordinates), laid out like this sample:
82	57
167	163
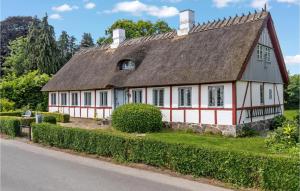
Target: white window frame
259	52
103	98
64	99
53	100
215	100
137	96
74	99
268	54
127	65
185	97
85	100
157	97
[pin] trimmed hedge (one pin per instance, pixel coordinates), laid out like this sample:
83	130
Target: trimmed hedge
140	118
60	117
240	168
49	119
12	113
10	126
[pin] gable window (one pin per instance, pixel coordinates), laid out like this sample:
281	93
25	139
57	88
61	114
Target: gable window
216	96
87	98
74	99
259	52
268	54
185	97
63	98
137	96
53	98
127	65
158	97
270	94
261	90
103	98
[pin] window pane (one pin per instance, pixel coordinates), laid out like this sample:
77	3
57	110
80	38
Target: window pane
220	96
161	98
154	97
211	99
189	97
261	94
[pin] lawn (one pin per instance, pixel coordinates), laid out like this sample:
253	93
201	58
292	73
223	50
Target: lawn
291	113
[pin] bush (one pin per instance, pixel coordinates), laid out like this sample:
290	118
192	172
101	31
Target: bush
12	113
240	168
49	119
139	118
60	117
10	126
6	105
247	131
277	122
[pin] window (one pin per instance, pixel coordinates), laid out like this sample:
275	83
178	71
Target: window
261	89
74	98
216	96
137	96
63	98
185	97
87	98
268	54
53	99
259	52
103	98
126	65
270	94
158	97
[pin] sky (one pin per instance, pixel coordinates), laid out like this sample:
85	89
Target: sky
94	16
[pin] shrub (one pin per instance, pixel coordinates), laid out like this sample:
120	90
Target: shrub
60	117
49	119
277	122
6	105
247	131
240	168
12	113
139	118
10	126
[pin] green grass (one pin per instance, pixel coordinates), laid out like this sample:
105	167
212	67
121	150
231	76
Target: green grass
291	113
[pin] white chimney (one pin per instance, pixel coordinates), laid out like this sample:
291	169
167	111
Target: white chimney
186	22
118	37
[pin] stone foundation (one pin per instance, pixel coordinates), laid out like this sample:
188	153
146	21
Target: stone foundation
226	130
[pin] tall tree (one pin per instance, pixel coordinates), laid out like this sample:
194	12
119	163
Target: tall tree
292	92
86	41
43	48
72	45
135	29
67	47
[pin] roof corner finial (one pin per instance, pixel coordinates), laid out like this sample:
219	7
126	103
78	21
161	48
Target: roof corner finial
255	11
265	7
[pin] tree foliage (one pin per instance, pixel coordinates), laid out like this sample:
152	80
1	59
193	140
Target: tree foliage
25	90
135	29
66	46
87	40
292	91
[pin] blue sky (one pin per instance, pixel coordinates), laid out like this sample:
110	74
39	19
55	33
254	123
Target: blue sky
94	16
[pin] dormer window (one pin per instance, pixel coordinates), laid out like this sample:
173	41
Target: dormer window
126	65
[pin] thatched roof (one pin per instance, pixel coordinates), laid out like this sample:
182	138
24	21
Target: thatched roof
211	52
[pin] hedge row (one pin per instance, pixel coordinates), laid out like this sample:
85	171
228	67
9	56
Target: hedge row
11	125
11	113
243	169
60	117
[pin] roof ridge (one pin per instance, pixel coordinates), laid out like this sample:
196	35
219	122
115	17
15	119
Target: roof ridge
208	25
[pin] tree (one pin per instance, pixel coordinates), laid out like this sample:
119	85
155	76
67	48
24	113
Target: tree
17	62
42	49
135	29
292	92
86	41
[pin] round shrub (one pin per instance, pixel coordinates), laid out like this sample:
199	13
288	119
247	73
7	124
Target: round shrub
139	118
49	119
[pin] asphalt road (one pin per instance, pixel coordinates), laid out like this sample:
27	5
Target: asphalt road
26	167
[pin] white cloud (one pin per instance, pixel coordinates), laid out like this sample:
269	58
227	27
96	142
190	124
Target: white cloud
295	2
224	3
90	5
55	16
65	7
138	8
292	60
259	4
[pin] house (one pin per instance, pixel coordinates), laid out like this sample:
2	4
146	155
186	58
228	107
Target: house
220	74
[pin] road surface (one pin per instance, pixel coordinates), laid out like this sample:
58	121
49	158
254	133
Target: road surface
26	167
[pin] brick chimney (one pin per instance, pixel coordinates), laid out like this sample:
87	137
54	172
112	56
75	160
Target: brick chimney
186	22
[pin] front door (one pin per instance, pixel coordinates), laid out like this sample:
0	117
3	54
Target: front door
120	97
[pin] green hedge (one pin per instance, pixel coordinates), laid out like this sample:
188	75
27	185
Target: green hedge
49	119
60	117
137	118
10	126
243	169
12	113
